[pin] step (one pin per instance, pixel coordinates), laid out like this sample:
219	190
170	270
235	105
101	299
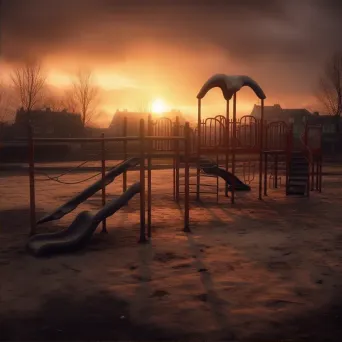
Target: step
299	157
296	190
299	174
299	162
295	193
298	178
297	183
299	167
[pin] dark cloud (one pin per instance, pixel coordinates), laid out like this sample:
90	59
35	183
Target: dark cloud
45	26
281	42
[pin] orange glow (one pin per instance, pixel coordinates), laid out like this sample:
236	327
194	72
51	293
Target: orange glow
158	107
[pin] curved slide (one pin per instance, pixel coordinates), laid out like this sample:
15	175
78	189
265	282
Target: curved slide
80	231
227	176
211	168
91	190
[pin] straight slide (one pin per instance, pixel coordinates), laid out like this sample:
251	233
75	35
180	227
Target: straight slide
73	203
80	231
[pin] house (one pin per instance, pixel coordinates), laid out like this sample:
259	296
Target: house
47	123
331	138
133	121
297	117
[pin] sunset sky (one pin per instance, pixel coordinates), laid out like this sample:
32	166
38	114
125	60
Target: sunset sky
141	50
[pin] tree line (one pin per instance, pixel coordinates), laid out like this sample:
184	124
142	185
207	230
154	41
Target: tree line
30	91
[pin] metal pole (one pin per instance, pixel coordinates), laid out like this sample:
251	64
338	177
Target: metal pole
174	168
317	174
177	159
103	170
198	151
234	147
142	182
227	144
149	181
124	175
320	173
275	171
261	147
265	174
313	173
217	179
186	179
31	181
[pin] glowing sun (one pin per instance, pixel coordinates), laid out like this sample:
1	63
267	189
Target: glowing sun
158	106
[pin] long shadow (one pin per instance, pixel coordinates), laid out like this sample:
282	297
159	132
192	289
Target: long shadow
72	317
323	324
139	309
216	304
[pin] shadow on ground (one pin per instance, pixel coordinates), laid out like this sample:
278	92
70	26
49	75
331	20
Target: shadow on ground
323	325
96	317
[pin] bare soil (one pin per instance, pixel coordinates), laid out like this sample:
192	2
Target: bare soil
255	271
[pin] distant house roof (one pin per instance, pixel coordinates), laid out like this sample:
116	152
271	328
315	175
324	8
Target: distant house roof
323	119
277	113
44	121
47	115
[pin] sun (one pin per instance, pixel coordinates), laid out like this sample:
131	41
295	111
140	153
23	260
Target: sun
158	106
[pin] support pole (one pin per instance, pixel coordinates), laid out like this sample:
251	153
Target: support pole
186	178
265	174
234	147
177	158
174	168
227	143
317	174
31	181
275	171
149	179
261	146
217	178
142	238
103	172
320	173
124	175
198	175
313	173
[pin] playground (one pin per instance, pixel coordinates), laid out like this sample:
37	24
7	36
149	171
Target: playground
251	271
233	235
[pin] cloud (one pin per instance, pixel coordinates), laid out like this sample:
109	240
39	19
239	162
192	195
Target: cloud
282	44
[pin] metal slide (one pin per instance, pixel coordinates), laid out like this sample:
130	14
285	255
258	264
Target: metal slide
211	168
80	231
91	190
227	176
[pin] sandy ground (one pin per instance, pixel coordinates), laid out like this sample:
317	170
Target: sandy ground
257	271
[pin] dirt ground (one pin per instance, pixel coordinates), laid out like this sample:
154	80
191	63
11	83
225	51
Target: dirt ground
257	271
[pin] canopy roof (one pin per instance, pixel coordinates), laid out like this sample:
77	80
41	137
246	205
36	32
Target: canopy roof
230	85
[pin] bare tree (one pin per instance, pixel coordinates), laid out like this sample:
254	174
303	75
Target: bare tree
69	101
330	87
86	95
29	82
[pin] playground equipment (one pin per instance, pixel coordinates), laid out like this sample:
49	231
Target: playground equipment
212	148
81	229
